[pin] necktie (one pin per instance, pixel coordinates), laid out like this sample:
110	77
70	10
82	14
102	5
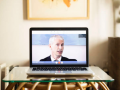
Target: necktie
56	60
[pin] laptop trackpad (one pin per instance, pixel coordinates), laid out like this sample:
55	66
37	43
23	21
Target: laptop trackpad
62	72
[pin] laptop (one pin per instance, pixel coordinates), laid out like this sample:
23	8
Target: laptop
59	51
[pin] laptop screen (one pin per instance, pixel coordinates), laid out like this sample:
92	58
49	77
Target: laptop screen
58	47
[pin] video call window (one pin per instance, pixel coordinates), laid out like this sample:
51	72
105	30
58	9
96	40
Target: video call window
58	46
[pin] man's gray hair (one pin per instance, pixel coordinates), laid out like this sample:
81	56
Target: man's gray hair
52	38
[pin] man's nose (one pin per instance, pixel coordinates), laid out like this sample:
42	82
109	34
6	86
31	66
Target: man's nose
60	47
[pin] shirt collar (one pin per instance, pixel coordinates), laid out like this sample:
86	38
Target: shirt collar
52	59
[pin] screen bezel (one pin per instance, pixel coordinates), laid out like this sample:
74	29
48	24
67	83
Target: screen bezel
60	29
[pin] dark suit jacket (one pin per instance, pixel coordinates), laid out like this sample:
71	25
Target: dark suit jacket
62	59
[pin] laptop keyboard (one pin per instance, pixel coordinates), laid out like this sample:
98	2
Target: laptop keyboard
59	68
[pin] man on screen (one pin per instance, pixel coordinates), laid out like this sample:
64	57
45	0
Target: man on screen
56	44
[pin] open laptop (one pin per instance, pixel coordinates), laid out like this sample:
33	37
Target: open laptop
59	51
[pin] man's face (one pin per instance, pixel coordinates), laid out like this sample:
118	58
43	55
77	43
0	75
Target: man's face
57	47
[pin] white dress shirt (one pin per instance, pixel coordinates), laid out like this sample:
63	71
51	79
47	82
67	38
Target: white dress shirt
52	59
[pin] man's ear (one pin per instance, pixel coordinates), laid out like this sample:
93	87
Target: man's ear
49	46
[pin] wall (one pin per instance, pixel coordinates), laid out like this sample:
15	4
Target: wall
116	9
14	30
